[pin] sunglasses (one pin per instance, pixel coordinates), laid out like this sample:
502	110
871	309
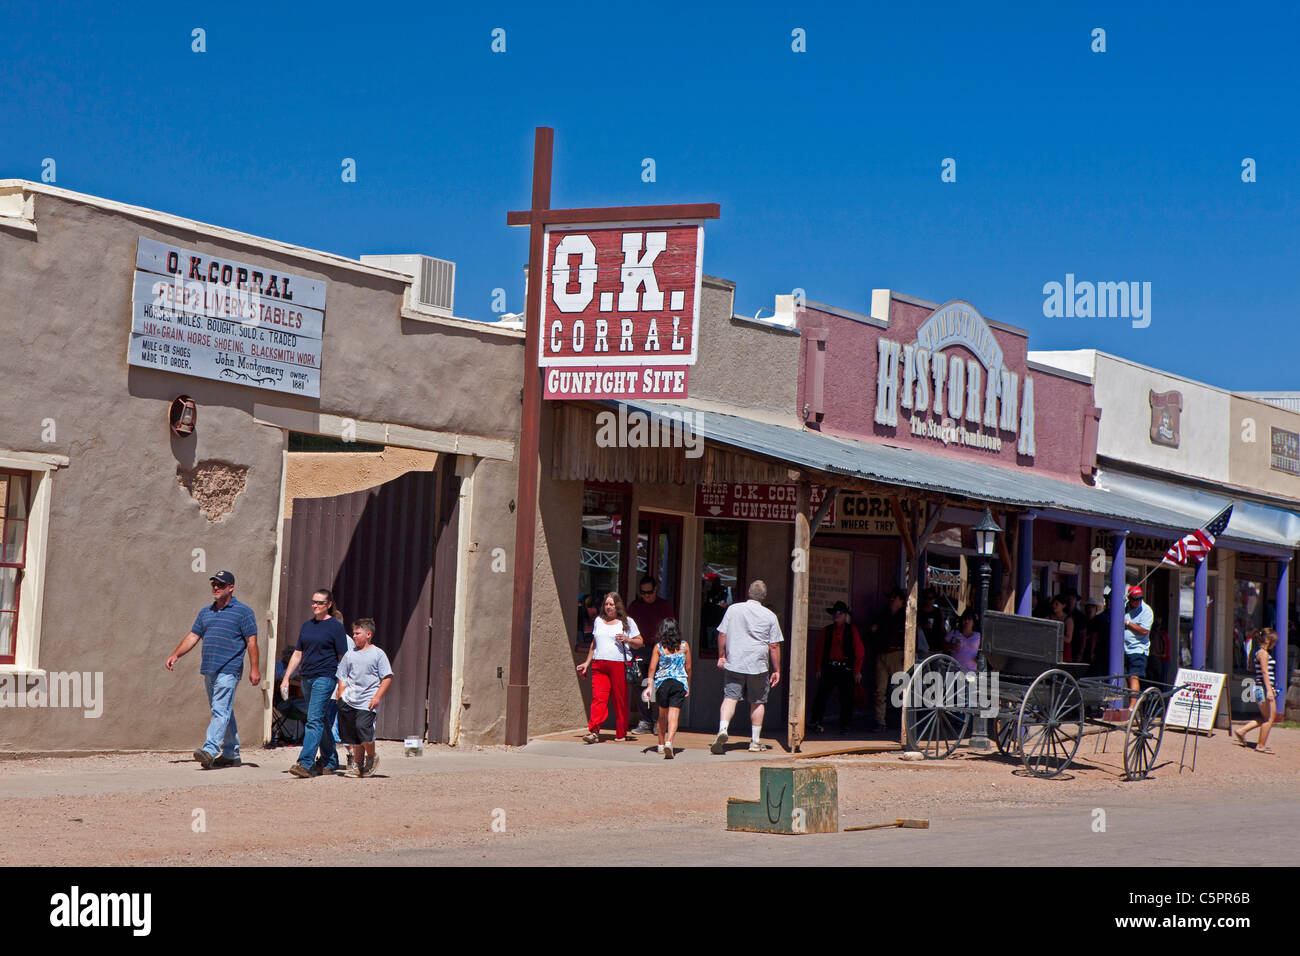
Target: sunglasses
320	602
218	586
647	590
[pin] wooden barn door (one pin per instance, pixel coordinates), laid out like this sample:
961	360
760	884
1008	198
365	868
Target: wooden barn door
375	549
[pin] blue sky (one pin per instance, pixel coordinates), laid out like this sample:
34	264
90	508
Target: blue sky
1115	166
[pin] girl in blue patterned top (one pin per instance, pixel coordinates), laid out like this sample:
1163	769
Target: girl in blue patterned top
1265	690
670	680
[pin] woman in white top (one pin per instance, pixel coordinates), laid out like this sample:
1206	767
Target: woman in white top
614	637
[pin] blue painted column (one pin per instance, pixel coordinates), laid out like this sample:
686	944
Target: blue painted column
1025	567
1200	608
1117	602
1281	612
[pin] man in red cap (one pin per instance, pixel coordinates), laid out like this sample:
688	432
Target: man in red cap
1138	618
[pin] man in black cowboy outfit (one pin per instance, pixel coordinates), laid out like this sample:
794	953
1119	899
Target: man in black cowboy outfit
842	655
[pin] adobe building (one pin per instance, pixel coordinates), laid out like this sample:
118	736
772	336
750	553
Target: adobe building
900	426
114	521
1181	444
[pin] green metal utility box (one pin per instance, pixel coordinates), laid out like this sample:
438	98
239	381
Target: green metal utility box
791	800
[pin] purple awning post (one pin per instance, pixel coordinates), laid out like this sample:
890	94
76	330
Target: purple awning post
1281	623
1025	567
1200	606
1117	602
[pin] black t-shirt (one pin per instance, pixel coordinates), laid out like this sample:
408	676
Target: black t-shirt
888	631
930	621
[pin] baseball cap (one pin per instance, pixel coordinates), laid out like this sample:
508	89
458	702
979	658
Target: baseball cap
839	608
225	577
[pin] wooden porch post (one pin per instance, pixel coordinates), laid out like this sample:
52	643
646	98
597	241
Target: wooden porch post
799	616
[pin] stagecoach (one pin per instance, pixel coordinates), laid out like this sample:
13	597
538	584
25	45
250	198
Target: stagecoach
1037	704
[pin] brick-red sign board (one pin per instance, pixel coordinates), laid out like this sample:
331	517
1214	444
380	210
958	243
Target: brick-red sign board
620	298
755	502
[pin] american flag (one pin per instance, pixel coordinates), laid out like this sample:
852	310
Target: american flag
1192	548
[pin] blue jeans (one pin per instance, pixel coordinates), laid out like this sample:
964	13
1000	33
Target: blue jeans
318	734
332	716
222	729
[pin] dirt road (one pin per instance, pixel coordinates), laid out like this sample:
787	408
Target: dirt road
557	801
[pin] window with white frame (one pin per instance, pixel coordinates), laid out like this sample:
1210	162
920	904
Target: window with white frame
25	482
15	493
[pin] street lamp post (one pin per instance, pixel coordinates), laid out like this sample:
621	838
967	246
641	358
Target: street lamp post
986	539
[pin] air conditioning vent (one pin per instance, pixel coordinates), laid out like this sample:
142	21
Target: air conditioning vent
434	285
437	283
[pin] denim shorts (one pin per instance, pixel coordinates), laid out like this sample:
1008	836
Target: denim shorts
1135	665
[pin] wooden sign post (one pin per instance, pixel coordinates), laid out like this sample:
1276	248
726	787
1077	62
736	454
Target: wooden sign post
538	219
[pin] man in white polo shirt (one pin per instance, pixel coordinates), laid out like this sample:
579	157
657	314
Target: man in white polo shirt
747	637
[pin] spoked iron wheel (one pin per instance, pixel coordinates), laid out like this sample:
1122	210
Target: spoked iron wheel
1051	723
932	720
1006	739
1146	729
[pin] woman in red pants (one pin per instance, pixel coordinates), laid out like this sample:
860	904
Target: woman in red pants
615	636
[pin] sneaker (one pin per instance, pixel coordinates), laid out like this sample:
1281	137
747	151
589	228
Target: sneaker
350	762
227	762
642	728
659	748
316	770
755	747
298	770
668	751
590	738
205	758
371	764
356	768
719	744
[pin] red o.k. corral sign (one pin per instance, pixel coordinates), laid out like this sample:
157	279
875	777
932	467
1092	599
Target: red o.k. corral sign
620	309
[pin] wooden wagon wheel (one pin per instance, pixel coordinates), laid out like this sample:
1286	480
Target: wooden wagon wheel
1006	737
933	721
1050	726
1145	731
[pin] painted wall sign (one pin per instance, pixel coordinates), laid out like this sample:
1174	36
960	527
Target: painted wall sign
969	402
621	298
755	502
224	320
1285	451
865	515
1166	411
830	579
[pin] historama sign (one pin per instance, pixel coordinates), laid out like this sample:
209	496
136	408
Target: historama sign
620	309
954	386
194	314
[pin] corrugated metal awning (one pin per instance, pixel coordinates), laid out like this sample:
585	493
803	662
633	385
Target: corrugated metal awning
908	468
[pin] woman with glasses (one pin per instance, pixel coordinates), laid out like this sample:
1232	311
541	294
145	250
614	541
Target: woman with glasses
321	643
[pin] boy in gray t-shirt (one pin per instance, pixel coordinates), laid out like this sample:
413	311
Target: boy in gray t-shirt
364	676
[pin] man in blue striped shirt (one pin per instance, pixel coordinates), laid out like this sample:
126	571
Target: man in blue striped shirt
227	627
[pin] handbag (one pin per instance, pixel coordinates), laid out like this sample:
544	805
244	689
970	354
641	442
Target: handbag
633	670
